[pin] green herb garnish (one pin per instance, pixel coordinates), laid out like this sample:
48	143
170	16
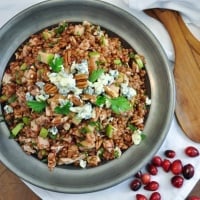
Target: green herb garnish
61	28
101	100
120	105
64	110
56	64
95	75
132	127
37	106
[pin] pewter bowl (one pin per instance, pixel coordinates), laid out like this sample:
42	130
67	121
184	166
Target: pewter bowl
161	85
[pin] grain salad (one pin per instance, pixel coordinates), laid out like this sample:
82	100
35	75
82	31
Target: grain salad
75	94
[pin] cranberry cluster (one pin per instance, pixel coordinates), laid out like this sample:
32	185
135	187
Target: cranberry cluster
178	169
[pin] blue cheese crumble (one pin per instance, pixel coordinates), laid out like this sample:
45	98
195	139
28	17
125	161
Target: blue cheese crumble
83	112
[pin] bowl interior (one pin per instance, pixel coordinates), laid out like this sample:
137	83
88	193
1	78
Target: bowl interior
62	179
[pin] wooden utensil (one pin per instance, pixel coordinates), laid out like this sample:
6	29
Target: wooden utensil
186	71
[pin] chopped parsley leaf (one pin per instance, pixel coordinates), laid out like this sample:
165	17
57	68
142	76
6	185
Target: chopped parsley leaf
37	106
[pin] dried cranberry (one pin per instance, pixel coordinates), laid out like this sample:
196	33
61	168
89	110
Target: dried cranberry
135	184
152	186
177	181
170	153
176	167
166	165
138	174
145	178
155	196
157	161
188	171
191	151
140	197
193	198
152	169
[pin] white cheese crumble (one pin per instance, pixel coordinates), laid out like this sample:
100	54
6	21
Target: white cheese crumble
148	101
53	130
41	97
106	79
136	137
64	82
40	84
114	73
117	152
81	68
83	112
28	96
83	163
97	87
127	91
8	109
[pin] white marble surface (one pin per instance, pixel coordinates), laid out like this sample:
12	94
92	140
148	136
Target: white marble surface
175	139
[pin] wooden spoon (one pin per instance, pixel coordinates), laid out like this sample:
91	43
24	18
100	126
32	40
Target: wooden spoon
186	73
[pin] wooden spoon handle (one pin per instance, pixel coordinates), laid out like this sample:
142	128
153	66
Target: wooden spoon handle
187	76
169	20
193	41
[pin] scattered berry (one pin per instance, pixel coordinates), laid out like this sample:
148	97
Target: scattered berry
192	151
166	165
140	197
177	181
170	153
193	198
135	184
138	174
176	167
188	171
152	169
157	161
145	178
152	186
155	196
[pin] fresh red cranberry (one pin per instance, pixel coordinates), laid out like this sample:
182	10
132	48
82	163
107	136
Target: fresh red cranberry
157	161
152	169
140	197
176	167
145	178
138	174
177	181
166	165
188	171
192	151
135	184
155	196
193	198
152	186
170	153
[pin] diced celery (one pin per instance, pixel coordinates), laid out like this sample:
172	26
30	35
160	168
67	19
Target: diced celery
47	34
139	61
45	57
3	98
109	130
94	54
104	41
43	132
117	62
23	66
17	129
26	120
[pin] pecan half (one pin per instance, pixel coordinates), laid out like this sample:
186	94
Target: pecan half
81	80
50	89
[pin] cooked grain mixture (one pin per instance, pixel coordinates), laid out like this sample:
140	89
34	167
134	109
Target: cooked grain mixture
73	94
